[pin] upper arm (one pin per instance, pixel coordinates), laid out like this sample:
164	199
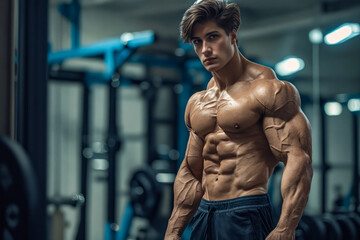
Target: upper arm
193	159
285	125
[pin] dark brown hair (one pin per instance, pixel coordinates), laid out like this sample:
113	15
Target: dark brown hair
227	16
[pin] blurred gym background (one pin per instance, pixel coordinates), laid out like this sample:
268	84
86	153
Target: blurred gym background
93	93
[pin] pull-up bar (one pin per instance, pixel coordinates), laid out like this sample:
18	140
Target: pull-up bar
115	52
131	40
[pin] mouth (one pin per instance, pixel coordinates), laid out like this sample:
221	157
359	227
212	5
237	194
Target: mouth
209	60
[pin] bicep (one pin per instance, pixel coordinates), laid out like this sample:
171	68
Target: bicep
193	160
187	186
290	142
288	137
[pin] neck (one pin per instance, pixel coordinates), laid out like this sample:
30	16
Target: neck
231	73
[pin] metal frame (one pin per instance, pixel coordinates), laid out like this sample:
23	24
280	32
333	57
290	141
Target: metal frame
7	67
31	97
115	53
71	11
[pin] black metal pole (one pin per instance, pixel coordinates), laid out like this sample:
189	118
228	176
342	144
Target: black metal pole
151	125
7	59
113	143
356	161
324	165
31	97
175	119
81	234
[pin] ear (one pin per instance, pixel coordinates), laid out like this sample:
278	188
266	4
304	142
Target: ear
233	36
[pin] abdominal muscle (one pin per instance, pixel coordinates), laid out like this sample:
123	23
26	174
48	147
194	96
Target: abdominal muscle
235	167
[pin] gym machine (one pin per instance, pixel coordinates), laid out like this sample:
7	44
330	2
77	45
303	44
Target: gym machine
140	204
115	53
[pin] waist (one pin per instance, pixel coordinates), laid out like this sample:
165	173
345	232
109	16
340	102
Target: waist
251	201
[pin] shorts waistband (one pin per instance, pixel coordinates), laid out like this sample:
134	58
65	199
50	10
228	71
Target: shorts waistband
235	203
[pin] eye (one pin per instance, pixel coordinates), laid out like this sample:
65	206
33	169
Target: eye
213	36
196	41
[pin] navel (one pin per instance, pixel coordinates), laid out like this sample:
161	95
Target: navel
236	126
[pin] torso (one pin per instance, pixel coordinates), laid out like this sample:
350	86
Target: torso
237	156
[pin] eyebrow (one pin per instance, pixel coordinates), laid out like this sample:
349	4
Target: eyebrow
207	34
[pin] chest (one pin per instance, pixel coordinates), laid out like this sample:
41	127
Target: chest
230	113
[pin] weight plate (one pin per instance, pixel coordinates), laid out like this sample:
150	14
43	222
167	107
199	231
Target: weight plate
333	230
145	193
348	228
355	218
18	192
311	228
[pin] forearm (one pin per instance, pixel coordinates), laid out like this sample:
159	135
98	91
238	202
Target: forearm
187	196
295	188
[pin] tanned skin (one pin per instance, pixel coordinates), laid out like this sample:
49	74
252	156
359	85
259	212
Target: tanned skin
241	127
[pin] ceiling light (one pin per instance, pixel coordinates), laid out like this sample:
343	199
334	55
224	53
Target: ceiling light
333	108
316	36
342	33
354	104
289	66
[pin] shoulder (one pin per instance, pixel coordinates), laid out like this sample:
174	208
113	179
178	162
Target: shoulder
194	99
274	94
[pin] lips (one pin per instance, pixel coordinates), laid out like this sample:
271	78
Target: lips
209	59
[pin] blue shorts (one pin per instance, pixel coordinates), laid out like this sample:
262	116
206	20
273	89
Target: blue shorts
243	218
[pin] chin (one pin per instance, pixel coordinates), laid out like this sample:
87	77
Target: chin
212	67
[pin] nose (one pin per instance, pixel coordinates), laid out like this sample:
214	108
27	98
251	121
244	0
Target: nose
206	49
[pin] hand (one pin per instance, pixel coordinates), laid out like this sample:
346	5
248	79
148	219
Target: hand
280	234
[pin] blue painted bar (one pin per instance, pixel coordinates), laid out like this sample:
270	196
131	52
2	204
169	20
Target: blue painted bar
71	11
123	56
107	231
126	222
75	25
97	49
110	62
138	39
131	40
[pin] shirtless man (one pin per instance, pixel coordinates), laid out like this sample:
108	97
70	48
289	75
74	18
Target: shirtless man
241	126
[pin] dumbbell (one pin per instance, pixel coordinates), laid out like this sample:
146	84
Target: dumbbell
348	228
311	228
355	218
333	229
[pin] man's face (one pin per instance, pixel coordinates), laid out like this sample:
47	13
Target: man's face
213	46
